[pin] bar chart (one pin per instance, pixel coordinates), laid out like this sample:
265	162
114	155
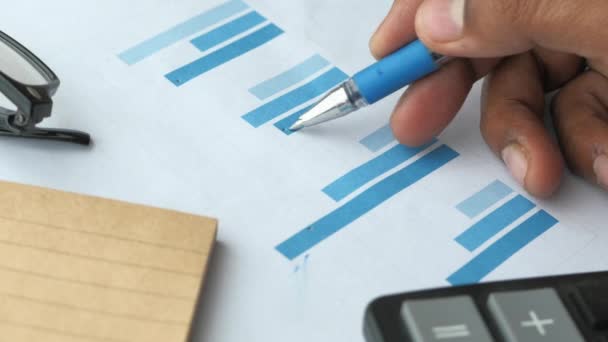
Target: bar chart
294	98
371	170
219	57
182	31
290	93
498	218
230	31
363	203
311	78
225	32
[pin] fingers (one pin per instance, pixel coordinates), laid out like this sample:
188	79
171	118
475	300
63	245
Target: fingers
581	120
512	125
558	68
492	28
396	30
429	105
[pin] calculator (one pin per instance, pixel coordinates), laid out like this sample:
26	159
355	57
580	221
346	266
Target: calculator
570	308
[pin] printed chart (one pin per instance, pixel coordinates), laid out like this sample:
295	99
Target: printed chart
233	29
493	223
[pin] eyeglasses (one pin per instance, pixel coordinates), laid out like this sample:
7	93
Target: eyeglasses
26	88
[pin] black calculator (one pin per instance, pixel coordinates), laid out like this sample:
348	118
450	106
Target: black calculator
571	308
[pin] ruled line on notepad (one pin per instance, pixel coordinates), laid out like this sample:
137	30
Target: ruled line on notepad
100	286
109	236
60	332
99	247
93	311
109	261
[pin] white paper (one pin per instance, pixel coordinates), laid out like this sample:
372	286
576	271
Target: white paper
187	148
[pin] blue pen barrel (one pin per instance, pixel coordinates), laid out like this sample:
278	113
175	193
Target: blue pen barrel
395	71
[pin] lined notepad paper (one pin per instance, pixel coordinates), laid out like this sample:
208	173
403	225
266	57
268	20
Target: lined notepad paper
78	268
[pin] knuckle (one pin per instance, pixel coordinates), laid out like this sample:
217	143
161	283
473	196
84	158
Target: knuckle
523	12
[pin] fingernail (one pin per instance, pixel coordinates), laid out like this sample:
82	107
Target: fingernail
443	20
374	43
517	162
600	167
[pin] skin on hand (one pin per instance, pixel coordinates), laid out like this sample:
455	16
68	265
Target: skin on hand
526	48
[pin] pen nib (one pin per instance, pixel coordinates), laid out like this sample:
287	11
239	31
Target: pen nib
337	103
297	126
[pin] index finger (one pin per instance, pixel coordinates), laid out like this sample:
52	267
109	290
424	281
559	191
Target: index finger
397	29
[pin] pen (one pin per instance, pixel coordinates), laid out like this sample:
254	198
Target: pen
406	65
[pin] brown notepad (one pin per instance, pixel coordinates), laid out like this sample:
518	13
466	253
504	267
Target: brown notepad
78	268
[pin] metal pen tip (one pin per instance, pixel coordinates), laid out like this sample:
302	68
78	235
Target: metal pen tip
337	103
297	126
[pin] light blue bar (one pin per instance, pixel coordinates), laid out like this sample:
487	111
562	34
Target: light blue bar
369	171
363	203
227	31
499	252
289	78
182	31
229	52
484	199
379	139
496	221
295	98
286	123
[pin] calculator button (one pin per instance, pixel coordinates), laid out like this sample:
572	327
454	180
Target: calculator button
533	316
445	319
592	301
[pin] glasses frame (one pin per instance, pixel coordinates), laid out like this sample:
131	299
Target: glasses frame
33	102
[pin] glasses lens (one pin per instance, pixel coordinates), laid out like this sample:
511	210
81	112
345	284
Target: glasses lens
18	66
5	103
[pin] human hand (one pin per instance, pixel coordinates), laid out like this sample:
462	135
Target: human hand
526	48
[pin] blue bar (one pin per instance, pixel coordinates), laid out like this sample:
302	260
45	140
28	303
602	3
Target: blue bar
496	221
295	98
499	252
369	171
484	199
289	78
224	55
182	31
227	31
365	202
379	139
288	121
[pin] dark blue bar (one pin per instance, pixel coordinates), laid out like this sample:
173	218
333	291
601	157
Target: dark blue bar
369	171
288	121
295	98
499	252
223	55
227	31
496	221
365	202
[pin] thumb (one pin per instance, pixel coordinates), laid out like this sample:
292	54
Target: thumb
496	28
